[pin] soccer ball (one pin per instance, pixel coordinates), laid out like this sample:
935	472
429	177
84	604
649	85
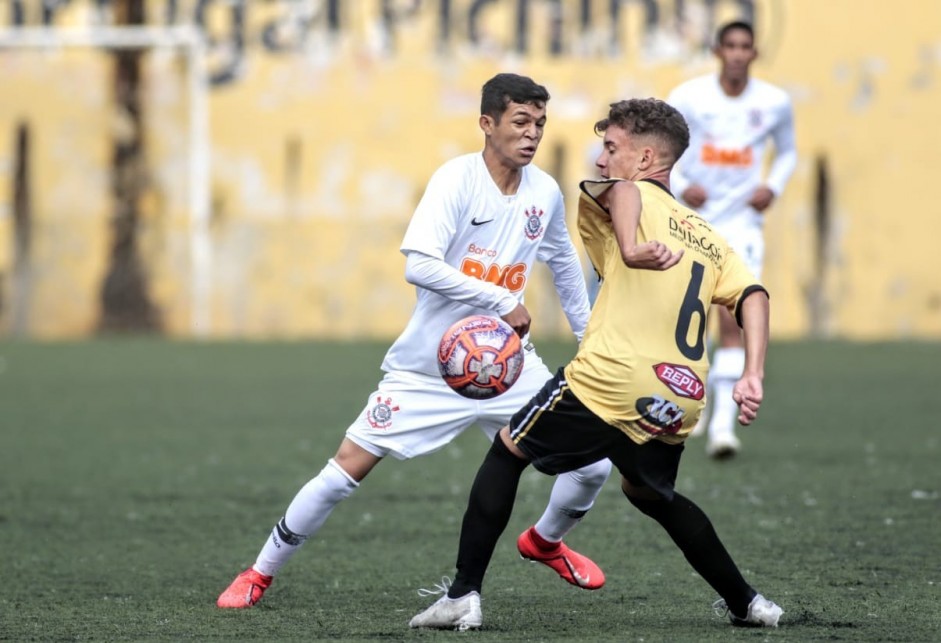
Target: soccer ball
480	357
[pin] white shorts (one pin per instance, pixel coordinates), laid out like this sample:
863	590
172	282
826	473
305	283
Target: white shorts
413	414
748	240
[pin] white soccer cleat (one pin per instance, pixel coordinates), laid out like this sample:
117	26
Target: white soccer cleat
723	446
451	614
761	613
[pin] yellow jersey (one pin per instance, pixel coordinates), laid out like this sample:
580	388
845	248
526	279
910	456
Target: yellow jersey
642	364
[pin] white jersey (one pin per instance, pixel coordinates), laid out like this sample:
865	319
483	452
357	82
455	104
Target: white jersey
489	243
728	142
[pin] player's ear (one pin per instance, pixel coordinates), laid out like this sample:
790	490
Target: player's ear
486	123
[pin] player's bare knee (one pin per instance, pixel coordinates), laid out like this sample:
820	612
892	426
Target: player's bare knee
355	461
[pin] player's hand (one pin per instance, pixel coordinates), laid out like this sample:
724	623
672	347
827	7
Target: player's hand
694	195
519	319
652	255
762	198
748	394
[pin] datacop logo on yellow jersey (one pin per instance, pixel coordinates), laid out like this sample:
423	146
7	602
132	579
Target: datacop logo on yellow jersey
511	277
686	231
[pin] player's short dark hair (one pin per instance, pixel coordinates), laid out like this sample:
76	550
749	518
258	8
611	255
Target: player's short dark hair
649	117
722	31
502	89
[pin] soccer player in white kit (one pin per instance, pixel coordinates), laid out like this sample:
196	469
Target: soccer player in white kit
732	117
484	220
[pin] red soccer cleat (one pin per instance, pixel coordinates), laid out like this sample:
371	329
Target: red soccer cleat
574	568
246	590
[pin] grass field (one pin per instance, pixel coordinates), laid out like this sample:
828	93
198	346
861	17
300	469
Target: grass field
138	476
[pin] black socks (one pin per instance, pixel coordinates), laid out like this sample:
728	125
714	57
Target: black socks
693	533
488	512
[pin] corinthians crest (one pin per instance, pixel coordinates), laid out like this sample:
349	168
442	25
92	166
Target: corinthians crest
533	222
380	415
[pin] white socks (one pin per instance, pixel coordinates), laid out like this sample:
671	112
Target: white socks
727	367
304	516
572	496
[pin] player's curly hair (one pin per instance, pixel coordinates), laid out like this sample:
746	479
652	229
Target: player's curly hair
649	117
502	89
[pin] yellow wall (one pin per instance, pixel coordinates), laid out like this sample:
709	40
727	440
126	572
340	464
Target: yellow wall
319	153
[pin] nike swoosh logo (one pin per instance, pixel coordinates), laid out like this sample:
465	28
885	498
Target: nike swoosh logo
582	582
474	221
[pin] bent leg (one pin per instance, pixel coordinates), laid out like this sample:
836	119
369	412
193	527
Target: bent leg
314	503
693	533
397	420
304	516
572	496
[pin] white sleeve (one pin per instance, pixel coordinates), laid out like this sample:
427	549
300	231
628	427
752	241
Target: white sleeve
433	224
439	277
569	282
558	252
679	179
785	152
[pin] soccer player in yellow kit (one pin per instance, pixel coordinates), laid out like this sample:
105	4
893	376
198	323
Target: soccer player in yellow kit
635	389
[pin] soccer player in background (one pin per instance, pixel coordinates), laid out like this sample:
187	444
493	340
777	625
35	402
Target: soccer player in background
732	117
483	221
634	389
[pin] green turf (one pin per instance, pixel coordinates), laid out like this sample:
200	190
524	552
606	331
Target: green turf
138	476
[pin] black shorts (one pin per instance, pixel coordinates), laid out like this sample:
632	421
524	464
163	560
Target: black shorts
558	434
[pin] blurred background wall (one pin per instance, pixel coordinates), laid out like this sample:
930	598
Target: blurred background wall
245	168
